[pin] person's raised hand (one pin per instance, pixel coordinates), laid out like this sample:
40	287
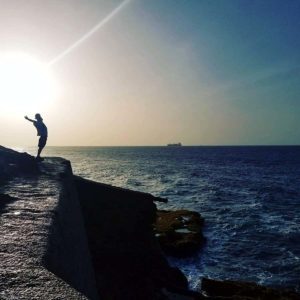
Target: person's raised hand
26	117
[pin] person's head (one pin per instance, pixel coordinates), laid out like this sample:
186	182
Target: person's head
38	117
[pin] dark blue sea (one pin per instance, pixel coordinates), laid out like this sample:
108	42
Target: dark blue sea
249	197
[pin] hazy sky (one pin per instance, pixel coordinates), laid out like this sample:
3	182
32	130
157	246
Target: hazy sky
160	71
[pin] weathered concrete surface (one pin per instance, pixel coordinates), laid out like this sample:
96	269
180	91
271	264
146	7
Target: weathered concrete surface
42	232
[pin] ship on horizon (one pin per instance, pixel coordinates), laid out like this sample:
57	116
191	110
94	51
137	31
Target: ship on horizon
174	145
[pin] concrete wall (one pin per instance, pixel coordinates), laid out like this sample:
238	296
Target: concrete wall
67	254
44	252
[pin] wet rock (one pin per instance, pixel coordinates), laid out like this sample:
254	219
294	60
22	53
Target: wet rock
239	290
179	232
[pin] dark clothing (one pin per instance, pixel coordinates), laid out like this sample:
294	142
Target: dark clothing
42	132
42	141
41	128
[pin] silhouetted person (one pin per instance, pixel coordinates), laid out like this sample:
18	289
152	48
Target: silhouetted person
42	132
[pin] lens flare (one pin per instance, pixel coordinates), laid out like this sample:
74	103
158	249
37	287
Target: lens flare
89	33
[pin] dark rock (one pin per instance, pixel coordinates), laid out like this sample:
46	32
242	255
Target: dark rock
13	163
239	290
179	232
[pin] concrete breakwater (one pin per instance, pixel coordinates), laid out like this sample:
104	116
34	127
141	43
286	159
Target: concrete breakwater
65	237
44	251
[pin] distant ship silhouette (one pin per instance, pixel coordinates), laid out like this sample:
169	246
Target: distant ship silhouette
174	145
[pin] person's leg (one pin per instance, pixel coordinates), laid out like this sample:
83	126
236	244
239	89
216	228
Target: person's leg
39	152
41	145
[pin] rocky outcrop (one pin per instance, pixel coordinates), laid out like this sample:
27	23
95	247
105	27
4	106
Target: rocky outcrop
179	232
239	290
13	163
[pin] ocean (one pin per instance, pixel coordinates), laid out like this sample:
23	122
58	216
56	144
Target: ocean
249	197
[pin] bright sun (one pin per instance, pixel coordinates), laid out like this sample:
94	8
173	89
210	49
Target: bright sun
25	83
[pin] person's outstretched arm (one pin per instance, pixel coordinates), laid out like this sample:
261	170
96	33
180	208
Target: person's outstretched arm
29	119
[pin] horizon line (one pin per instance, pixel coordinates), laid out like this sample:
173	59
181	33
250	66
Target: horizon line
188	145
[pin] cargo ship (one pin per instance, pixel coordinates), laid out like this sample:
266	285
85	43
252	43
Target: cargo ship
174	145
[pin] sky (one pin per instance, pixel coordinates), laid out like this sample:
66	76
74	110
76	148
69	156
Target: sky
199	72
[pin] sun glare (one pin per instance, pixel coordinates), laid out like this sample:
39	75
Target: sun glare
25	83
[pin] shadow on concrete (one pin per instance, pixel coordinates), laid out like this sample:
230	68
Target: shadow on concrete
67	254
4	201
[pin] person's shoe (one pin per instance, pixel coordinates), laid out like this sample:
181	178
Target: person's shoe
38	158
